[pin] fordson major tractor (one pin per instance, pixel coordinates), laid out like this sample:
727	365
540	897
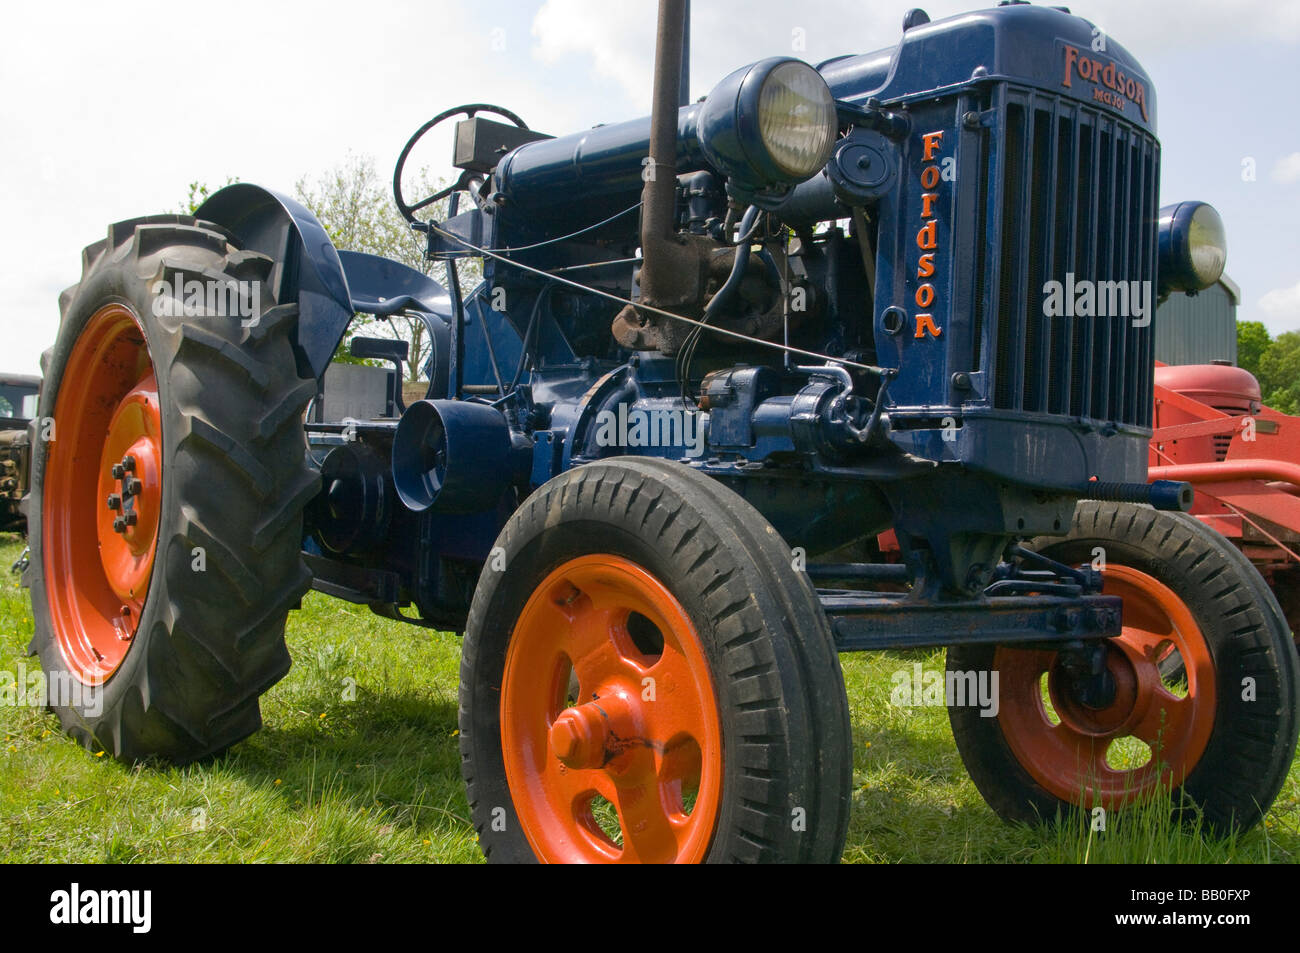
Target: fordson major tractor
713	351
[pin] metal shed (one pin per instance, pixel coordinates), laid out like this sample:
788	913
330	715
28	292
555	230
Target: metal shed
1199	329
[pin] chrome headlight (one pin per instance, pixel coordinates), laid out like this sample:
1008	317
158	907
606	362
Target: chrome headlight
770	125
1193	247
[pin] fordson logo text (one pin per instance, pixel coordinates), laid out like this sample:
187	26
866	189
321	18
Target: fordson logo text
927	239
1111	85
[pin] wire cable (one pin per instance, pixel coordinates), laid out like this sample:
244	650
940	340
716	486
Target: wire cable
549	241
725	332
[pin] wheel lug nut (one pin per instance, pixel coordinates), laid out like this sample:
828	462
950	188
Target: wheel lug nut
133	487
119	525
128	463
130	519
114	501
118	471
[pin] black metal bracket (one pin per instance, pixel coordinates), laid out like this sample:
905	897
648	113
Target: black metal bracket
867	621
367	587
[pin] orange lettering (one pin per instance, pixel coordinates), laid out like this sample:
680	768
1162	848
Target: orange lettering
1071	55
925	322
931	141
929	177
925	265
925	296
927	237
927	204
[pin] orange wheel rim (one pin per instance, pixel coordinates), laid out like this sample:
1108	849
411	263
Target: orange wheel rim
1071	755
102	494
640	728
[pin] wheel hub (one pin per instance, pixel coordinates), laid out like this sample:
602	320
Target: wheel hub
1079	706
589	736
130	466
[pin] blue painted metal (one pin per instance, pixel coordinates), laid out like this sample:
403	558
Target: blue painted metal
997	143
281	227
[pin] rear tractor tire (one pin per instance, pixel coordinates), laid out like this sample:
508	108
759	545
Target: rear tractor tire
166	513
1205	677
645	678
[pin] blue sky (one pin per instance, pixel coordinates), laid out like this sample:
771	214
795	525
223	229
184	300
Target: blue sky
110	110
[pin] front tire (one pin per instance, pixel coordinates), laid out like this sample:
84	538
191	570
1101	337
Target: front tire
1219	726
167	510
645	678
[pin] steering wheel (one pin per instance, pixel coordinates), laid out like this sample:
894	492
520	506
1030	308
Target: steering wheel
467	179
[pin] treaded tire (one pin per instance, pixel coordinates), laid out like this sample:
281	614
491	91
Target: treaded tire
235	480
1252	743
775	672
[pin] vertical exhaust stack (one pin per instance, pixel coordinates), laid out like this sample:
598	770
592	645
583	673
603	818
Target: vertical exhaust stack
658	195
671	272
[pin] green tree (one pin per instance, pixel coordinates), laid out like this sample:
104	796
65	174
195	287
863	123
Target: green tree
1279	373
357	210
199	192
1252	342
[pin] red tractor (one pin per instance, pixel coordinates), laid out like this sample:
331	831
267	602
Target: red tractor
1211	429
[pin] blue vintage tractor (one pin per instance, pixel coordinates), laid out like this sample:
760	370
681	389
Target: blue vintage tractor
716	354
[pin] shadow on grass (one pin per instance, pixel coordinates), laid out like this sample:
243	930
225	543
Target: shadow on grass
392	755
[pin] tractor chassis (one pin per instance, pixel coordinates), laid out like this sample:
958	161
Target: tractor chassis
867	621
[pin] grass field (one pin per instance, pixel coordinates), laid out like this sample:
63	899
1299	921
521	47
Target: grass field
376	779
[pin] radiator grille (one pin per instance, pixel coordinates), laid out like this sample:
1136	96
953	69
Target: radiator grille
1071	190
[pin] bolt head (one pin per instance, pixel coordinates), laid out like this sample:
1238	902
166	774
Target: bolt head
114	501
117	471
119	525
131	519
566	739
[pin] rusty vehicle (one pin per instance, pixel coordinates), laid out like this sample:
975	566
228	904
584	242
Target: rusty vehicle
17	408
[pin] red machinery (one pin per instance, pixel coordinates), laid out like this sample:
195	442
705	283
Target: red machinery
1212	429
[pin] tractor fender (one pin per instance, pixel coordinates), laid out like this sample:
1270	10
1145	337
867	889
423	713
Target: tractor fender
284	229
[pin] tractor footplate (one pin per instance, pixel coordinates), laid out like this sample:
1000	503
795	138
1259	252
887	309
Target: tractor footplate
863	621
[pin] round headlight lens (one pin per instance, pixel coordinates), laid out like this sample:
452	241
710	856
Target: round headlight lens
1207	245
796	119
1193	247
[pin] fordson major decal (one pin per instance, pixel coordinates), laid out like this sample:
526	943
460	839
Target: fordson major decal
1111	85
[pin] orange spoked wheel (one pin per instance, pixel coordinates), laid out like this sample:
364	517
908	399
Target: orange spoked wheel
1199	696
607	696
646	679
103	494
1148	732
169	480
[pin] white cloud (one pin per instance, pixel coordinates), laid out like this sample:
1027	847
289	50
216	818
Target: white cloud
1287	169
612	35
1282	306
619	37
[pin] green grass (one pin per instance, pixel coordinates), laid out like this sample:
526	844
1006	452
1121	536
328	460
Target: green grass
376	779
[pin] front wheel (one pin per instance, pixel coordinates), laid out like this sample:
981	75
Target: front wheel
1204	681
645	678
